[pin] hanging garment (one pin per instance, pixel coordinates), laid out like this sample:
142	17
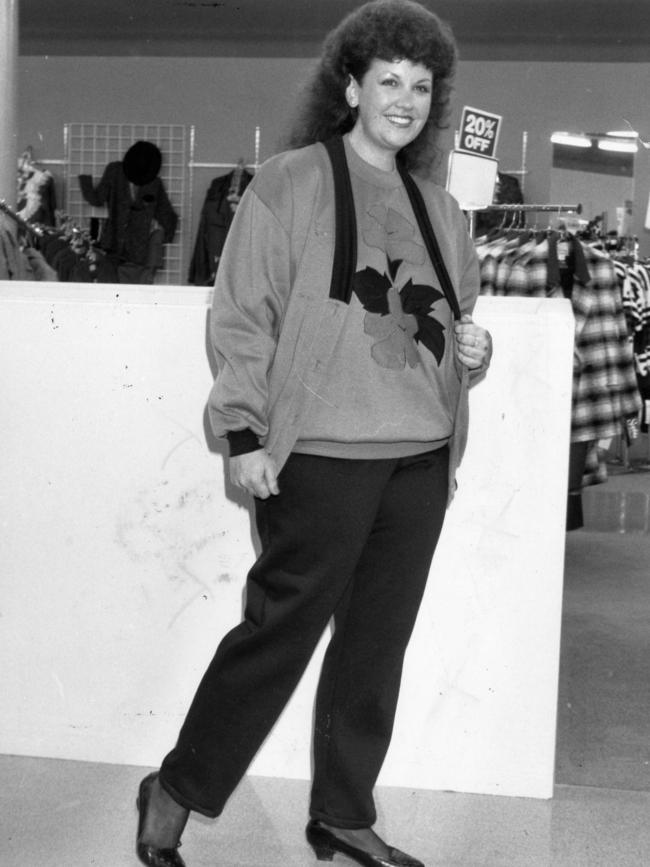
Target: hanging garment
634	281
214	222
605	394
14	265
40	269
131	210
36	199
605	387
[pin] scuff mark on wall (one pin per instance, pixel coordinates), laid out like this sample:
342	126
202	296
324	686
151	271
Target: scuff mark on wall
59	684
169	529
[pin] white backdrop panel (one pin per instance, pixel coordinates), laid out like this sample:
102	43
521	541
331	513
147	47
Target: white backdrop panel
124	551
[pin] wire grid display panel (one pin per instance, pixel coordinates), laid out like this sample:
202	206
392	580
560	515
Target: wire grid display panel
91	146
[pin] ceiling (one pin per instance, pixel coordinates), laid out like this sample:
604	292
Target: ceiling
565	30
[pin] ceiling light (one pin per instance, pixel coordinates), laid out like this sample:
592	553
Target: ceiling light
625	147
623	133
571	139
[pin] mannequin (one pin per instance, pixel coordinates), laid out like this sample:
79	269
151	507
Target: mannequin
141	217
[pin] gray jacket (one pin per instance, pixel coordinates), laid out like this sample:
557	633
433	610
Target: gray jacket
273	326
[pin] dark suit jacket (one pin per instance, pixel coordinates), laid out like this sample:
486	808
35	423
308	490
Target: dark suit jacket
214	222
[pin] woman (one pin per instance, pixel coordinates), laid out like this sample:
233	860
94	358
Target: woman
343	359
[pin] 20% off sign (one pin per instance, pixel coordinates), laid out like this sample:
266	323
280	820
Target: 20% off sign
479	131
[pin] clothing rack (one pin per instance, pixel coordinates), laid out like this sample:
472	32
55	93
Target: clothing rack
523	208
39	231
559	209
28	227
91	146
194	165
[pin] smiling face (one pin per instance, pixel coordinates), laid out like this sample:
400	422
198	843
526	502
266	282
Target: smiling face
394	99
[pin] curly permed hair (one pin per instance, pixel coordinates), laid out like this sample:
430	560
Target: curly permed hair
387	30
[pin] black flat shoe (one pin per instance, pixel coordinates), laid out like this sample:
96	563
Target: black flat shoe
325	844
150	855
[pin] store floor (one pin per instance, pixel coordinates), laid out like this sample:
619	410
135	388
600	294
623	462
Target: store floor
76	814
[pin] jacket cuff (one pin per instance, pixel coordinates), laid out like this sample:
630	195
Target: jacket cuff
242	441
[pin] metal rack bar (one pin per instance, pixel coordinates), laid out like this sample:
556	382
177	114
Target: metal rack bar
548	206
193	165
518	208
28	227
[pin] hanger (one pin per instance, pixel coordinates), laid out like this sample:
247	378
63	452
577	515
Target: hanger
235	181
514	228
498	231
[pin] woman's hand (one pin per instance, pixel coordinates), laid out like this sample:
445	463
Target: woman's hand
255	473
473	344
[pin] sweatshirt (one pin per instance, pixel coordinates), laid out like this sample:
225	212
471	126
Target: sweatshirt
391	385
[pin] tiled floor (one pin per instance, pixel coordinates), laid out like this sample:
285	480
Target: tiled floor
604	694
74	814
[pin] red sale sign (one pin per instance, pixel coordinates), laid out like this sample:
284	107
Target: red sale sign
479	131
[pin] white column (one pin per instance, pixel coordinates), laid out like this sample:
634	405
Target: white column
8	92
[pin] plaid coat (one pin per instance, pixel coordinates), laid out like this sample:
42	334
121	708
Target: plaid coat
605	389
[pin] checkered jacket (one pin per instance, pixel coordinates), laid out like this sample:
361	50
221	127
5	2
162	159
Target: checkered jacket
634	282
605	389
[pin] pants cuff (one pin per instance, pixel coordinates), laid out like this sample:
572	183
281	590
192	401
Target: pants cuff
338	822
188	803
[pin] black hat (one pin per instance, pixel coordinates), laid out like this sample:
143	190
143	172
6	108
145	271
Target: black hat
142	163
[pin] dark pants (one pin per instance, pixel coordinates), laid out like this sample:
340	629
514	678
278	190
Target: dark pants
348	538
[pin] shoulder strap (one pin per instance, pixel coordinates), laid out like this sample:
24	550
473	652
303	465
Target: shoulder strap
430	240
345	243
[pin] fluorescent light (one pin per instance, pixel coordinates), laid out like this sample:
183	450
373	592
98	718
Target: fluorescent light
571	139
625	147
623	133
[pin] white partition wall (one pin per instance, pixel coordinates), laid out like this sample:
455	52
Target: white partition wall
123	552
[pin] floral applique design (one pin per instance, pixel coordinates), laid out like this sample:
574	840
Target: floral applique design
388	230
397	318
